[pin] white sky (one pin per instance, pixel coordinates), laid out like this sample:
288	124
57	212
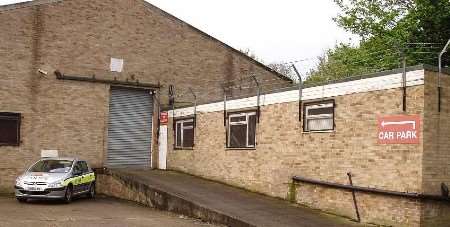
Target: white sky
276	31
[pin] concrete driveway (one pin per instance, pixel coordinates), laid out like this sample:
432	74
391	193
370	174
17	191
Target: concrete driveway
102	211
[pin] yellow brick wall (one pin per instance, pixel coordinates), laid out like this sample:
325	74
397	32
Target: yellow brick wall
283	151
436	156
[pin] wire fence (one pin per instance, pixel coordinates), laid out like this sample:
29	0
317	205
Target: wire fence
370	62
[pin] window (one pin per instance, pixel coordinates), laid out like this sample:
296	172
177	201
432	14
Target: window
184	133
84	167
78	169
9	129
242	130
319	116
52	166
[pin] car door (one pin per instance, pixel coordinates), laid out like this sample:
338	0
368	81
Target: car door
85	177
77	177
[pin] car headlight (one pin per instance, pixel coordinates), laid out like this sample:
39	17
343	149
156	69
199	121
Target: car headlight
19	181
57	184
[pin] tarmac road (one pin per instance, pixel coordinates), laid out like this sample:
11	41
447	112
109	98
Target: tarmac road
102	211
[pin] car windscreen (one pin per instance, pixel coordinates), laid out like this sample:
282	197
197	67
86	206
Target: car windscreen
52	166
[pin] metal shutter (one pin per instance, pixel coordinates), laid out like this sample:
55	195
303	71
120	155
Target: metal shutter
130	127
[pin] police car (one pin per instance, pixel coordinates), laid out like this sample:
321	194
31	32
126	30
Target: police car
56	178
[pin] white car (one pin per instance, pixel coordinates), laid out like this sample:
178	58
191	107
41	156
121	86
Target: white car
56	178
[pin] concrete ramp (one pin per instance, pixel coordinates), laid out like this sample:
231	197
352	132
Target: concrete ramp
210	201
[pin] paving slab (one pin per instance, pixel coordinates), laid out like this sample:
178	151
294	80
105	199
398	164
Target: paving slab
250	208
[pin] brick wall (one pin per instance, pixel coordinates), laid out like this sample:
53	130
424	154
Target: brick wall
283	151
78	37
436	157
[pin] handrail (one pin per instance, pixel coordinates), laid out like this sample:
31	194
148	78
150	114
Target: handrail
372	190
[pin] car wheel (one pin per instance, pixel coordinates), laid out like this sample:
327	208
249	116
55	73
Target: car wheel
92	191
21	200
69	194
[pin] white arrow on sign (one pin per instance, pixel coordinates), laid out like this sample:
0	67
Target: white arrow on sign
384	123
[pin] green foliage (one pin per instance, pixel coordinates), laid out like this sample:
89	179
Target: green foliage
387	29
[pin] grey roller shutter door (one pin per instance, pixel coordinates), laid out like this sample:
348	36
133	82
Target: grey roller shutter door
130	127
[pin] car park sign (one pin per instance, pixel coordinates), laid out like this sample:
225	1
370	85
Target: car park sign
399	129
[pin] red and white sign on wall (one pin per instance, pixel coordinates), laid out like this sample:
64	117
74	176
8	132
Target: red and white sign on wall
164	118
399	129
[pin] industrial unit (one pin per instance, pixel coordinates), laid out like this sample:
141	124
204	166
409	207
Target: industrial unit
89	79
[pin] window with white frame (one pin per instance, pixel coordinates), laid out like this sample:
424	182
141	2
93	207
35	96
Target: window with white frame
242	130
184	133
318	116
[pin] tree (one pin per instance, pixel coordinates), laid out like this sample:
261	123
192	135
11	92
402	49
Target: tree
284	69
388	29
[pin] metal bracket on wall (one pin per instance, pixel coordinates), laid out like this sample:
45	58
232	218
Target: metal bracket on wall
358	217
92	79
158	123
258	96
404	82
224	106
172	104
440	72
195	107
300	93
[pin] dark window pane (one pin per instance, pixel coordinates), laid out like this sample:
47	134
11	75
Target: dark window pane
185	124
238	134
188	137
178	135
84	167
238	119
326	110
252	130
9	131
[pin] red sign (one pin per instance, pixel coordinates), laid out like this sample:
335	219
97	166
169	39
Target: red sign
399	129
164	118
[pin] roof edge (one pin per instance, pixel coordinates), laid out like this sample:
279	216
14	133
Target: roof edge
348	79
21	5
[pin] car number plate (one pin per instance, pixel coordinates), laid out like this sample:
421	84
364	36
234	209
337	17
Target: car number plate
35	189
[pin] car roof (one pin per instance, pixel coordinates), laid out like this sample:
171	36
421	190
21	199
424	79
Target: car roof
62	158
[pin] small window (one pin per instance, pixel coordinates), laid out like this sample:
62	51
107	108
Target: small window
242	130
9	129
318	116
184	133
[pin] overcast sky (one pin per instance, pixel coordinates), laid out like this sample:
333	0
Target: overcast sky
275	30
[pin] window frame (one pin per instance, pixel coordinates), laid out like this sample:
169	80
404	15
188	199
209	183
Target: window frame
317	103
12	117
182	121
230	123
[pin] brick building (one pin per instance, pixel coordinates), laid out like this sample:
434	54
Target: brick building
115	60
94	106
339	132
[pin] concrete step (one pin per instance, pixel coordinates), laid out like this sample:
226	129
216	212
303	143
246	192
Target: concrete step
210	201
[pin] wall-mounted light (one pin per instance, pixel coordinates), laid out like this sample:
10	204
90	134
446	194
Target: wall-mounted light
42	72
